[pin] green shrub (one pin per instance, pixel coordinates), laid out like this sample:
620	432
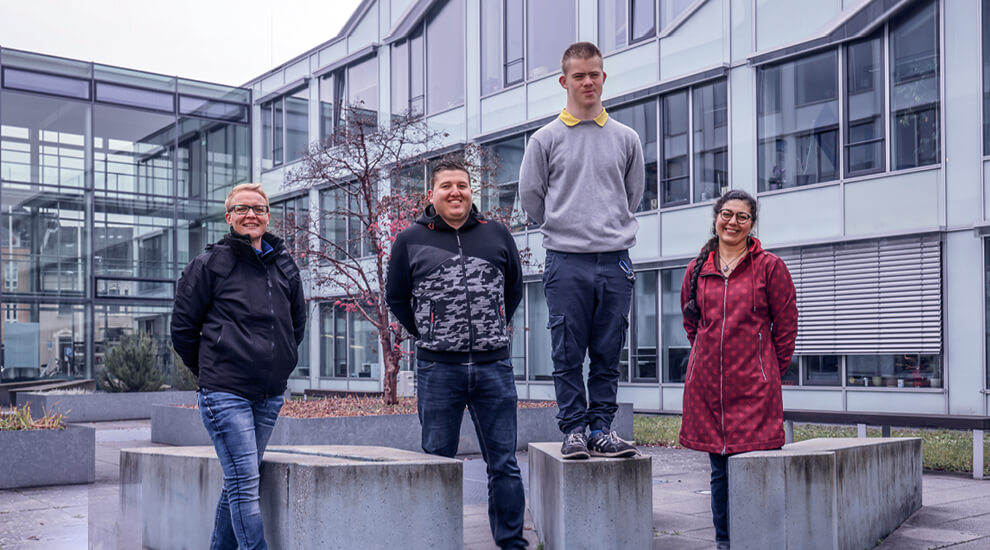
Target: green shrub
131	366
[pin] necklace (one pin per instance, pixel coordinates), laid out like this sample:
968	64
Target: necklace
726	266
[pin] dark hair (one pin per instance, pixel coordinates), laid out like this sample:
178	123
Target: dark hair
581	50
447	164
691	310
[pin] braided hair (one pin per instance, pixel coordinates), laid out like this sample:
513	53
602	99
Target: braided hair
691	310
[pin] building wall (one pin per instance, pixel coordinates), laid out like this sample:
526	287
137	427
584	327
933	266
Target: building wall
841	157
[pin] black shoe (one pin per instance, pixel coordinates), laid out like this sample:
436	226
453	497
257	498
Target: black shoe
609	444
575	446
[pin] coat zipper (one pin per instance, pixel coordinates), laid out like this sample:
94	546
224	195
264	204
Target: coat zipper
721	367
467	291
760	353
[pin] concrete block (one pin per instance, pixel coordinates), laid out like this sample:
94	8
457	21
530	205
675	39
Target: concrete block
335	497
590	504
104	406
834	493
33	458
183	426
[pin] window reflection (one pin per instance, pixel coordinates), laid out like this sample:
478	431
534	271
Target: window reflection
545	43
675	180
642	117
676	347
44	340
540	364
710	107
445	57
501	195
865	144
914	101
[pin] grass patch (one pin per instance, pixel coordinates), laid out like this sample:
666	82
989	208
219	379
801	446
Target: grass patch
941	450
19	418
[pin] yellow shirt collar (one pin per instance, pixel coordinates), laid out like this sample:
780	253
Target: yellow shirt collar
571	120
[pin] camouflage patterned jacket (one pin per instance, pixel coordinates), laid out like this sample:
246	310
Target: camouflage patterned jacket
454	290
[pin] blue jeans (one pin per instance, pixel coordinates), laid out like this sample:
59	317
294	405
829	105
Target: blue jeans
720	495
489	392
240	429
588	298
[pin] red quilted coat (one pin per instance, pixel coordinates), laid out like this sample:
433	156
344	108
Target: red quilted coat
740	347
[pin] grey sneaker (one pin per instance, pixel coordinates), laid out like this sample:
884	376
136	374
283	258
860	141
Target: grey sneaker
722	545
575	446
611	445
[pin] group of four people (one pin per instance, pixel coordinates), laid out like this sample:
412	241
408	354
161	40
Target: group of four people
454	282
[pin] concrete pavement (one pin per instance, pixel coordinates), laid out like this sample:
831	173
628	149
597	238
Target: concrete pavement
956	510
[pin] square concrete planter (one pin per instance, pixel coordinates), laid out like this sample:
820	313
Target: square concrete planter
33	458
183	426
104	406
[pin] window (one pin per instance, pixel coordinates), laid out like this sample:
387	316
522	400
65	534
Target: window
290	219
799	114
343	223
624	22
439	58
362	90
445	57
501	193
302	364
986	298
710	141
798	122
676	347
539	362
518	344
670	10
864	107
285	129
820	370
348	345
675	181
914	102
643	330
407	77
546	42
642	117
897	371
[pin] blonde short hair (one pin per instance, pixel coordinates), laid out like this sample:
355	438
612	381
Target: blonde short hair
256	187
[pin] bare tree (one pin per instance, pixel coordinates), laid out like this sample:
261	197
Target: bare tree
344	244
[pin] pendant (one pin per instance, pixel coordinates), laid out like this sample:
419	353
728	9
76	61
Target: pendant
725	269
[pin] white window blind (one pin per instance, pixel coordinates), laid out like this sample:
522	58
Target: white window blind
874	297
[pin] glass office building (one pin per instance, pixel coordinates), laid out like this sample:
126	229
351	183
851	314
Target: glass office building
111	180
840	116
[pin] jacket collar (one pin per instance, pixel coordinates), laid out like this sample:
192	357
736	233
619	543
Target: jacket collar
242	243
709	267
571	120
432	220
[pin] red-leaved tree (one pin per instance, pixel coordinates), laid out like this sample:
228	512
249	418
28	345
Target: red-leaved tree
371	180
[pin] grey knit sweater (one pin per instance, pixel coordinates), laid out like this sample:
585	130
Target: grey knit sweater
583	183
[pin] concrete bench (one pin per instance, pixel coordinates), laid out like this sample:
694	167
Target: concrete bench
979	425
834	493
590	504
340	497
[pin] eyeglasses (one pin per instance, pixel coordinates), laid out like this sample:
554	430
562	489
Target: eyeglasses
242	209
741	217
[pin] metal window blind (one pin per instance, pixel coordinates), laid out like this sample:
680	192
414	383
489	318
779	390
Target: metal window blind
874	297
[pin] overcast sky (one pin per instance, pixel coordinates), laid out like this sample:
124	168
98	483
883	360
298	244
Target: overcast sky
225	41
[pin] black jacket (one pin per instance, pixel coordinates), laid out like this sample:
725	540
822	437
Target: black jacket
239	317
455	290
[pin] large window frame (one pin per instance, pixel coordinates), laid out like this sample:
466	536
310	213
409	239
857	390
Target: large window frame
285	128
412	67
880	126
344	333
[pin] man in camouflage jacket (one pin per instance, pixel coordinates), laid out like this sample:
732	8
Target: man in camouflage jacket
454	281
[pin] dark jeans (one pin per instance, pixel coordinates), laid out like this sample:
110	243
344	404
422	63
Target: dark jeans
720	495
240	429
588	297
489	392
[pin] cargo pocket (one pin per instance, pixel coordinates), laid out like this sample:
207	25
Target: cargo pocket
558	339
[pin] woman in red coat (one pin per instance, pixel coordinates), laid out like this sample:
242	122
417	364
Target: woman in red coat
740	316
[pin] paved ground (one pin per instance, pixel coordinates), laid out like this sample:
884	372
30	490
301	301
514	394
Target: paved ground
956	510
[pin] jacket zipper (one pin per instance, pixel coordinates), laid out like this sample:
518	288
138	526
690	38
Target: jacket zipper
760	353
721	367
467	292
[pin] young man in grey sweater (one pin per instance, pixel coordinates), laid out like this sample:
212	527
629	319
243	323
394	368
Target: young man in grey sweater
582	177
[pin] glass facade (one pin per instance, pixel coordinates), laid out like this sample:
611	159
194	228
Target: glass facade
105	197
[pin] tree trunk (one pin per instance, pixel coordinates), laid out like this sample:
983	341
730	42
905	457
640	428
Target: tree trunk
391	358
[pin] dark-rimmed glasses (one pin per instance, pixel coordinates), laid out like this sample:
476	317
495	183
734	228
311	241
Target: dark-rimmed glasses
741	217
241	209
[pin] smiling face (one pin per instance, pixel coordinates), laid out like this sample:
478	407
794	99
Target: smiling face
730	231
583	80
250	224
451	196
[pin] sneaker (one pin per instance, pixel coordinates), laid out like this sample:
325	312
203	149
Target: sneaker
722	545
575	446
611	445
